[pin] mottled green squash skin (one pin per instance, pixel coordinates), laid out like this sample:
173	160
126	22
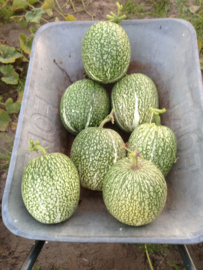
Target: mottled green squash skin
84	104
131	98
134	197
155	143
106	52
93	152
50	188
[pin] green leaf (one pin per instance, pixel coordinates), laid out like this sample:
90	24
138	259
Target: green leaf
31	2
22	4
199	43
10	76
49	12
23	24
9	54
48	4
2	1
20	20
32	30
4	120
20	89
17	18
19	4
201	62
24	44
5	152
193	9
56	19
12	107
1	98
20	60
155	247
150	249
34	15
20	92
70	18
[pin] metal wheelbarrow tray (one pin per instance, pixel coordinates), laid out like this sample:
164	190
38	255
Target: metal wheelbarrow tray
166	51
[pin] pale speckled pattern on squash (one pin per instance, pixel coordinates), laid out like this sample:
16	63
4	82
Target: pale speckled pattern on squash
106	52
134	197
94	151
84	104
131	98
156	143
50	188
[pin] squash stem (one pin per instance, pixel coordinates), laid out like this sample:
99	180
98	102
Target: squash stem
37	147
155	113
134	155
134	159
150	263
116	18
107	119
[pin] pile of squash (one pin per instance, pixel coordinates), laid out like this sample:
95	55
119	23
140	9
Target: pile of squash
130	175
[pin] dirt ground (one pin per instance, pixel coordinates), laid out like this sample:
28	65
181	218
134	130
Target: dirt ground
79	256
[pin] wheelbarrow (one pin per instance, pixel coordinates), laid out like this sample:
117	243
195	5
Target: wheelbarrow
166	51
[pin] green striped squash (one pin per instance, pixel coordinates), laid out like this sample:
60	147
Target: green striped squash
106	52
50	188
84	104
131	98
93	152
156	143
134	195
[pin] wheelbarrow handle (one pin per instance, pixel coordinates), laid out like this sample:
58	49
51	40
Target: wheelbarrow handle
186	257
32	255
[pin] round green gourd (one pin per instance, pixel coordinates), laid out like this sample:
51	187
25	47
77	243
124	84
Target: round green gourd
134	194
84	104
106	52
156	143
131	98
93	152
50	187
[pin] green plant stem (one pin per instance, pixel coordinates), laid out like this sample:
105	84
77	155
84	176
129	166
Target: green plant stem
31	6
157	120
86	10
107	119
73	6
59	6
44	20
150	263
37	147
65	4
60	12
155	113
162	260
134	155
116	18
118	13
80	10
133	158
30	36
5	3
